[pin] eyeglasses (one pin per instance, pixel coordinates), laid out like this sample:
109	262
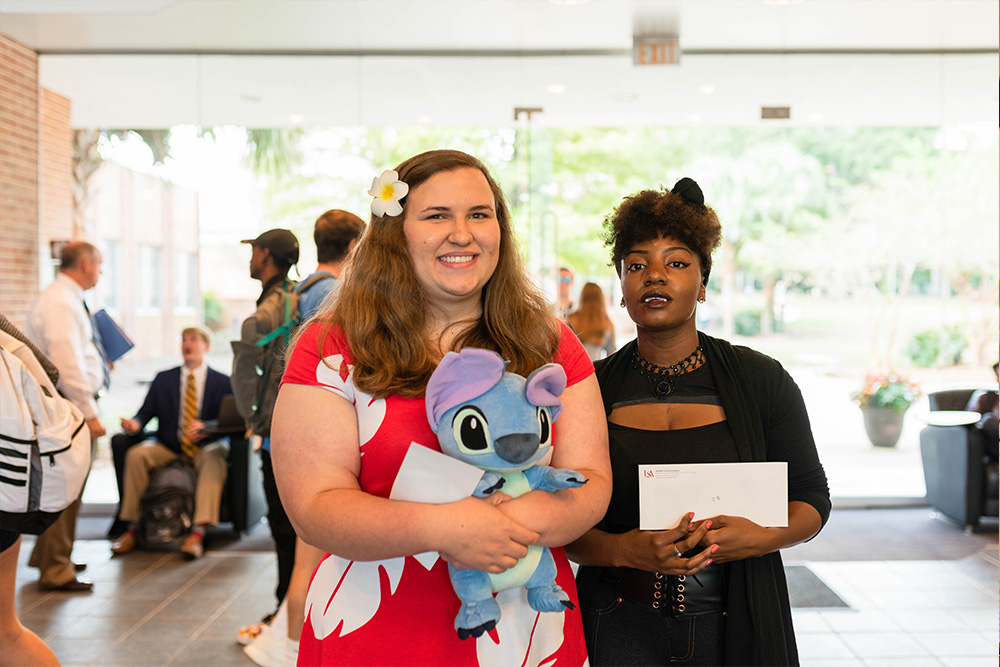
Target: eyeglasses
564	279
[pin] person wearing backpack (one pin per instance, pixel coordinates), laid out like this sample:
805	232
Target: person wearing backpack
258	361
181	399
335	233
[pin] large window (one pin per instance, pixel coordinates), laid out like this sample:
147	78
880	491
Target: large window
185	281
109	286
150	277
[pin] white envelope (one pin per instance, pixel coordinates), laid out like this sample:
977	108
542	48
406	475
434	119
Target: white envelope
428	476
756	491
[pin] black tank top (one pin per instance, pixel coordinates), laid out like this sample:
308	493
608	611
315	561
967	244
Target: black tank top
630	447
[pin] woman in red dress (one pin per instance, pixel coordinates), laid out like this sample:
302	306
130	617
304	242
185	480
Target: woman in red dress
437	270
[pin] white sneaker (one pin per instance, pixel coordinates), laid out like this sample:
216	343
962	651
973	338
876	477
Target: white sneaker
248	633
268	649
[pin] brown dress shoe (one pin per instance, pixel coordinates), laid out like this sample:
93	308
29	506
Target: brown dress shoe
125	543
193	546
74	585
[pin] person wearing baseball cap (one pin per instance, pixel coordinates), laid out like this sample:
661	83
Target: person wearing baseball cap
280	245
274	253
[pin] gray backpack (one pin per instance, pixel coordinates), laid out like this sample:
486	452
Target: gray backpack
167	507
257	367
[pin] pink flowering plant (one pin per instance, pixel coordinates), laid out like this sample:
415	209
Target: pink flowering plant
887	390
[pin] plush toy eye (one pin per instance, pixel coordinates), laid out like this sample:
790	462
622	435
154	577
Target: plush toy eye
544	428
470	430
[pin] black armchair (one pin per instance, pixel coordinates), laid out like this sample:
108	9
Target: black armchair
243	502
962	483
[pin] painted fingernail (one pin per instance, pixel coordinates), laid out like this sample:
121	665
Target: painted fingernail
690	515
708	524
708	562
714	549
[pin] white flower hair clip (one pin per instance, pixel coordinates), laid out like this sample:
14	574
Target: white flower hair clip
387	190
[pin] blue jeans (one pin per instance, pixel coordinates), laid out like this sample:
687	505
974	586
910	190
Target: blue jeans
620	632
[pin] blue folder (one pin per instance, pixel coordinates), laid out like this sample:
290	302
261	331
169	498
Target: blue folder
111	337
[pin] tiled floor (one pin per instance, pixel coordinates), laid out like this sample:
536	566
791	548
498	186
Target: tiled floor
157	609
904	613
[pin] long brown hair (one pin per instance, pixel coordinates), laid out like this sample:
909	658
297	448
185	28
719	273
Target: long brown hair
590	320
382	309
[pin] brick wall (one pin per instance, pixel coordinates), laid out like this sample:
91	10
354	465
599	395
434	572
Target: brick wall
36	178
19	195
56	169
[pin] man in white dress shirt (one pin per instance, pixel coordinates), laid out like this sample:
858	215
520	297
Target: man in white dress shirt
59	324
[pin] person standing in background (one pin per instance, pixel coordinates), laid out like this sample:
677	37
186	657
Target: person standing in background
591	322
60	325
564	299
335	233
273	254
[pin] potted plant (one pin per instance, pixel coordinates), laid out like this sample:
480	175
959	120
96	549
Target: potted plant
884	399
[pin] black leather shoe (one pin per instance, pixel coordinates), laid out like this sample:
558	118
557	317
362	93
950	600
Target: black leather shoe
72	586
79	567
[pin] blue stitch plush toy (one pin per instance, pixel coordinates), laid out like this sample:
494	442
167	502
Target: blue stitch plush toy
502	423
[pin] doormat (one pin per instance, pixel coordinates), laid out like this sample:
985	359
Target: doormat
807	591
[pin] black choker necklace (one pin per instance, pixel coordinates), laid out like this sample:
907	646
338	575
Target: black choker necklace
661	378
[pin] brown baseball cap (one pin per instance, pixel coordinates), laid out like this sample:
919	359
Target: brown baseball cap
280	242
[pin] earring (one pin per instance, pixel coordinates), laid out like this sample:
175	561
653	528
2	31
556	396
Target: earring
701	299
623	302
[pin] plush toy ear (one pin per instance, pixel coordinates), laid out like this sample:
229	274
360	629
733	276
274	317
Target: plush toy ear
460	377
545	385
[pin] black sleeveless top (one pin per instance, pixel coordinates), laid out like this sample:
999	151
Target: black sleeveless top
630	447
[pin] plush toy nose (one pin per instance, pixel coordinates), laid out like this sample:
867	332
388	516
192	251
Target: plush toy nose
516	447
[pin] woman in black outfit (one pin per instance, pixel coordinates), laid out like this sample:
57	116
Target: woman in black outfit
711	591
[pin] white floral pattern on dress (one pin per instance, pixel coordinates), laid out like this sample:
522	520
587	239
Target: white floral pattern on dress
371	411
360	593
520	626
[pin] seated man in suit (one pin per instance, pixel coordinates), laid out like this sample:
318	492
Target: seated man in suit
180	398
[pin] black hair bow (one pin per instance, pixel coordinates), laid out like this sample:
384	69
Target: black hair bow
689	191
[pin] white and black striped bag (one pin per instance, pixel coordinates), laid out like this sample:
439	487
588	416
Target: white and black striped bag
44	444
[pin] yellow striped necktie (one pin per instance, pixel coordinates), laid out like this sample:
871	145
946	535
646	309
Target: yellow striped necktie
190	414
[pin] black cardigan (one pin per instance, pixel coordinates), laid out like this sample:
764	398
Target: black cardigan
768	420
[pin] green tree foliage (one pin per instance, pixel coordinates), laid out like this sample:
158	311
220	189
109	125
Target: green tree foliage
770	199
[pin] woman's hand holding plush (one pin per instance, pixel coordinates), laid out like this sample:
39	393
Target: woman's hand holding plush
477	536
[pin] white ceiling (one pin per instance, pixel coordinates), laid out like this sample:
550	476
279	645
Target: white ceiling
274	63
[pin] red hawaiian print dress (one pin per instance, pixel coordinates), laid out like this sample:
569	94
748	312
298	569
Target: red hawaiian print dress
401	611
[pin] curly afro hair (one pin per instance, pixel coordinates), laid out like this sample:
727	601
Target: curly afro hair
650	214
